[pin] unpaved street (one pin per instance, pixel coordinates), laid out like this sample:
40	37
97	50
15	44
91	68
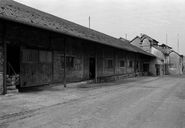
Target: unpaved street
143	103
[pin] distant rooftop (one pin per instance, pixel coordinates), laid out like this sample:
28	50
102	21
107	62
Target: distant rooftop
144	36
136	48
165	46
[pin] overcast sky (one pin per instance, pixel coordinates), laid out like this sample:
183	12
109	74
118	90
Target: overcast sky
119	17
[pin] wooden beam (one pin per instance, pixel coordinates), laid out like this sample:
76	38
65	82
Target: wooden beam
5	58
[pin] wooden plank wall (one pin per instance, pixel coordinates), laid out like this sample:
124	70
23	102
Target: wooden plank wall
77	50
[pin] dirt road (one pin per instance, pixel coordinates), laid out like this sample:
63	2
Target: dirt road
144	103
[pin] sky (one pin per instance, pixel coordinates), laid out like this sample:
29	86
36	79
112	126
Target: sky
162	20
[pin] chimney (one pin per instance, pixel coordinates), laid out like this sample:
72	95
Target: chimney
141	34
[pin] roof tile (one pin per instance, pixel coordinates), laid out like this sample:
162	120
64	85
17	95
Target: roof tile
15	11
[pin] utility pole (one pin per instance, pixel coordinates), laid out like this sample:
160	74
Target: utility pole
178	43
165	63
126	36
166	38
89	22
178	50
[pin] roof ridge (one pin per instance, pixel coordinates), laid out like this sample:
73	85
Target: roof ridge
21	13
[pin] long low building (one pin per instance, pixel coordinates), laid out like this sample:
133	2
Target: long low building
45	49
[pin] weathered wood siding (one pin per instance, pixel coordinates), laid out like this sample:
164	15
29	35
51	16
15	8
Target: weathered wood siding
42	57
75	53
36	67
58	66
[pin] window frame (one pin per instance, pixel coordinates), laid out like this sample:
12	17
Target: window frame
130	65
107	64
69	65
120	64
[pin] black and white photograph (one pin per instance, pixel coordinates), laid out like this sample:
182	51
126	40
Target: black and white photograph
92	63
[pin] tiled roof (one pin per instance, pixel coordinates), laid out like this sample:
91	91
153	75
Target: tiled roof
164	51
165	46
150	38
135	38
17	12
176	53
136	48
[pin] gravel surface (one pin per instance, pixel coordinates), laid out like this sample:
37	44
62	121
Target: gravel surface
145	102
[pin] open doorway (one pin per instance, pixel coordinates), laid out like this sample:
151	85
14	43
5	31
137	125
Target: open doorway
92	68
157	66
13	64
146	69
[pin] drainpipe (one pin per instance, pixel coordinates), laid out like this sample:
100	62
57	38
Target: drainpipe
5	58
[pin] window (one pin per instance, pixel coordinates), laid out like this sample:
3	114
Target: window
122	63
45	56
109	63
62	61
130	64
29	55
69	62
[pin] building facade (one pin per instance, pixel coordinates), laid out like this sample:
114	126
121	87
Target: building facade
167	62
175	63
43	49
156	66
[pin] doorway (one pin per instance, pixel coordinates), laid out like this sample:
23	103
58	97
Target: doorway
13	64
157	66
146	69
92	66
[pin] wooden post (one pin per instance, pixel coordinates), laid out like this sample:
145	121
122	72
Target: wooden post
103	58
135	61
164	65
126	60
64	63
4	58
96	65
115	60
52	52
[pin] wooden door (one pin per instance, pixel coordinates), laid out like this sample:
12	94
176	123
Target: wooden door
35	67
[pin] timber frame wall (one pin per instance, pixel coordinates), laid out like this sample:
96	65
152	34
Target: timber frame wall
45	56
